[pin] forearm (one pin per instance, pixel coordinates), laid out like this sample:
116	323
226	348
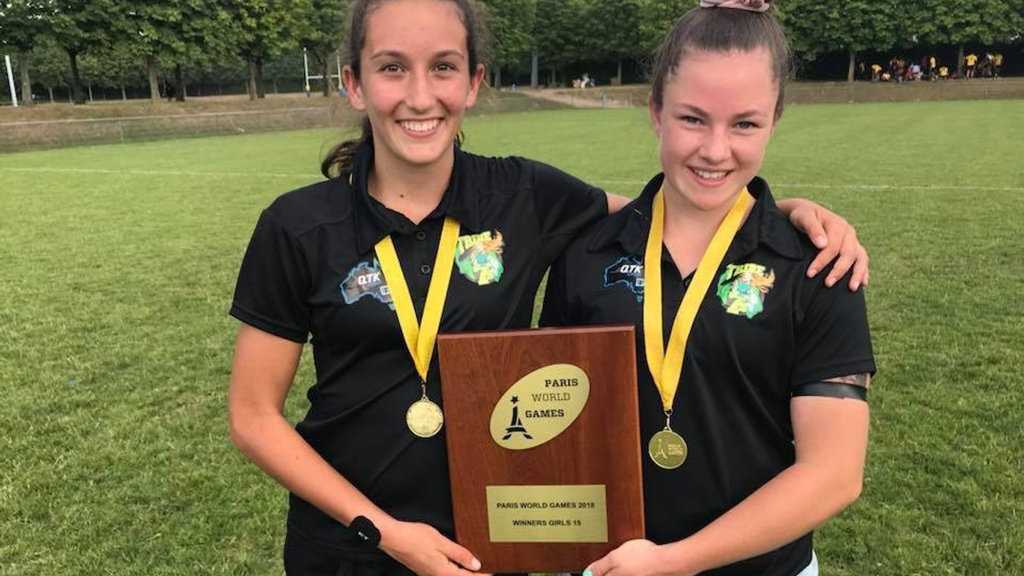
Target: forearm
273	445
792	504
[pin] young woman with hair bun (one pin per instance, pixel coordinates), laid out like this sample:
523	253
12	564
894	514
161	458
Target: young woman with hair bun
753	376
408	236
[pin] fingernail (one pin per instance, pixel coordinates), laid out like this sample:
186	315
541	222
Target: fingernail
475	565
587	572
855	287
820	240
829	282
812	272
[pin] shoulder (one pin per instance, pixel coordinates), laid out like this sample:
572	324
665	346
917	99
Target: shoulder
514	172
309	207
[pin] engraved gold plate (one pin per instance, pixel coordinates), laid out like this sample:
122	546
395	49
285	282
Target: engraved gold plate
551	513
667	449
424	418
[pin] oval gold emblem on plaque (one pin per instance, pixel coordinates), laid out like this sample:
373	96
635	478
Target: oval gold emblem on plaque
540	406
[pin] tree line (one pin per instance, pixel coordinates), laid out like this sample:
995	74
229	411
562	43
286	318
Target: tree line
125	41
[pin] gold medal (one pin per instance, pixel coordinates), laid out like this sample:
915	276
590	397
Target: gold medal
424	418
667	449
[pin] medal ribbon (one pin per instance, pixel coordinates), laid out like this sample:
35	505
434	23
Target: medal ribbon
420	335
667	366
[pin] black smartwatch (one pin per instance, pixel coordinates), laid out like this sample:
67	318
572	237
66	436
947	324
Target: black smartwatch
364	527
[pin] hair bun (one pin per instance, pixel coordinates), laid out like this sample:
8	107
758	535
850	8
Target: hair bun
751	5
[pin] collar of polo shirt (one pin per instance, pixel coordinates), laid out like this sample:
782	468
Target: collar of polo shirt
765	225
373	221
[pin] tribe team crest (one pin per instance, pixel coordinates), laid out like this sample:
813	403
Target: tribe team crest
742	288
478	257
629	272
366	279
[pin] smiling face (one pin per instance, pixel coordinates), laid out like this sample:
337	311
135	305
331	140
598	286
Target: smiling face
415	82
713	126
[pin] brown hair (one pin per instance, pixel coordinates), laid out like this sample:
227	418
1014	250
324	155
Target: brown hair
339	160
723	30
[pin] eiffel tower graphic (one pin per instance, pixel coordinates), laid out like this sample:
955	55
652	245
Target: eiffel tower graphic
516	425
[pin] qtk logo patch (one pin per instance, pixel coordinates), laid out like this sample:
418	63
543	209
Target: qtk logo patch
366	279
629	272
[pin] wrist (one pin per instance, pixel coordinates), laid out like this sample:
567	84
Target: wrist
389	538
680	559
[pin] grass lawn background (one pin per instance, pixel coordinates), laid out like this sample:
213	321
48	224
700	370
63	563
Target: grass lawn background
119	264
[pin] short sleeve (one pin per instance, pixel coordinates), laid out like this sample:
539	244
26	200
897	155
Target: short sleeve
565	205
833	338
273	282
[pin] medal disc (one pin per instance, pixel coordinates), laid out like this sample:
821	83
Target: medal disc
667	449
424	418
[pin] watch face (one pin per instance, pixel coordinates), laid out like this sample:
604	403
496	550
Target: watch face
365	529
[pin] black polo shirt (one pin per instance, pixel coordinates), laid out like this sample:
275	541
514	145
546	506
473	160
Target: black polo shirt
310	271
763	328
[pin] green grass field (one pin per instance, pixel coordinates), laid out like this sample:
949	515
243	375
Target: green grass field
119	264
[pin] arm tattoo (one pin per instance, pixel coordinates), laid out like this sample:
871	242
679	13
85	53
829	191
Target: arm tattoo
854	386
861	380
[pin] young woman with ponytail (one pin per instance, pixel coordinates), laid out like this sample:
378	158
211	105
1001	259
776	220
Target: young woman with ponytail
408	236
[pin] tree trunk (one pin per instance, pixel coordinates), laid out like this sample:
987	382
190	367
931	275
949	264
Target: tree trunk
124	93
50	90
154	80
77	97
24	61
179	80
252	80
325	71
853	64
960	61
618	74
497	76
260	89
534	72
551	84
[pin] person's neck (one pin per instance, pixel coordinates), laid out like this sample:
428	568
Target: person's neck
689	229
409	189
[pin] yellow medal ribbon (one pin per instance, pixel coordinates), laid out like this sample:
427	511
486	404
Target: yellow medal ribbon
420	335
667	366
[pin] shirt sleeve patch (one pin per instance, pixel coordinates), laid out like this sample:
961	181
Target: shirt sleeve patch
479	257
627	272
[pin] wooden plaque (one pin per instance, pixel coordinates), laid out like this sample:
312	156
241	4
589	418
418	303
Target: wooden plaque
543	445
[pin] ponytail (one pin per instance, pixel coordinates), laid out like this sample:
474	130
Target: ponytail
339	160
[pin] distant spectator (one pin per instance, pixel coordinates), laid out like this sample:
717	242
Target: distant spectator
933	69
876	72
997	63
971	60
944	72
915	72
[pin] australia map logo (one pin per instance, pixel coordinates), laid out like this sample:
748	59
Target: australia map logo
629	272
366	280
742	288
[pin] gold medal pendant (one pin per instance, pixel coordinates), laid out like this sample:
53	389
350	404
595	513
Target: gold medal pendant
424	418
667	449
